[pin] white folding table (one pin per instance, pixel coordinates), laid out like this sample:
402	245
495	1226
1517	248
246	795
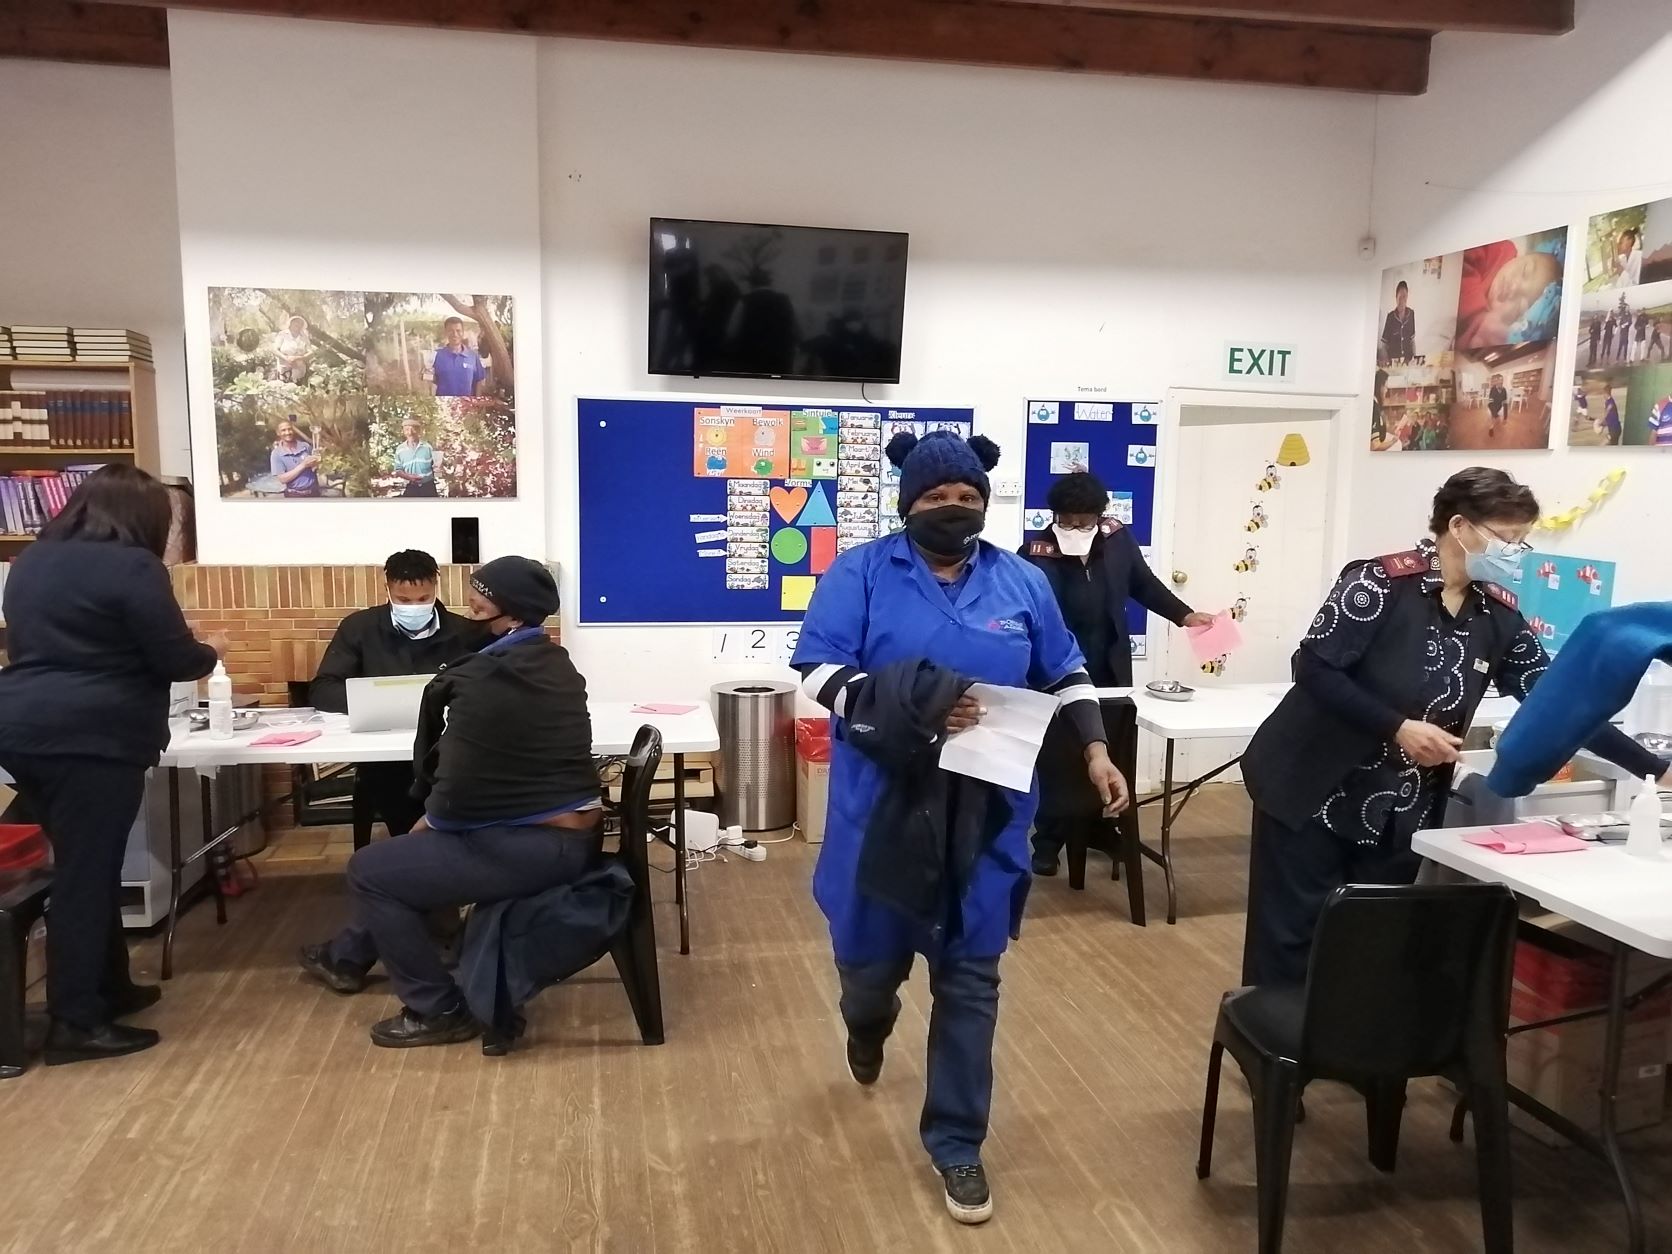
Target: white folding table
1626	899
614	726
1222	712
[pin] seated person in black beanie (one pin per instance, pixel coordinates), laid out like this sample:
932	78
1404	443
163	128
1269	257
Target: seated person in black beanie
510	792
414	634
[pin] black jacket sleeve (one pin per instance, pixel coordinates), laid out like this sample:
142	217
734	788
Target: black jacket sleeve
159	628
1148	590
1345	697
342	662
426	744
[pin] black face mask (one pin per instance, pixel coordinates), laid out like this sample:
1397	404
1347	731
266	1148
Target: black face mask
947	531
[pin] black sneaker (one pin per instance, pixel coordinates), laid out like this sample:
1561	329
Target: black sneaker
337	976
1045	863
410	1029
967	1197
864	1060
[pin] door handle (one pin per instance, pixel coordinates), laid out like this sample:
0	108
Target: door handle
1180	579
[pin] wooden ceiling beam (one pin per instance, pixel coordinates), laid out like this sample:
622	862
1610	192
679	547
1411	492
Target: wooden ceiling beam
972	32
104	34
1515	17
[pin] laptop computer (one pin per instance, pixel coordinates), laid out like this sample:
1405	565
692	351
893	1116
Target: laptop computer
385	702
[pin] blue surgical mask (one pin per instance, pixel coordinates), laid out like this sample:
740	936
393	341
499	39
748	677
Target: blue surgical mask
412	618
1499	562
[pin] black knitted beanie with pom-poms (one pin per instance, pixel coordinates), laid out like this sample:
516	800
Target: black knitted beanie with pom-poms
941	457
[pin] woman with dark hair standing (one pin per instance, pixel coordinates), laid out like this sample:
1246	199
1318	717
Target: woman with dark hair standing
1359	755
96	638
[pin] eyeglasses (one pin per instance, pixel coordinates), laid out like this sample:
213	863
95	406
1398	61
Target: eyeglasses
1057	522
1512	548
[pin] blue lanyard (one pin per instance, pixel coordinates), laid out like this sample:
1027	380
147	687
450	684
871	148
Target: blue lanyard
512	638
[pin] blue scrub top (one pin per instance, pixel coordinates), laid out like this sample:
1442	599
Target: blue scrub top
880	604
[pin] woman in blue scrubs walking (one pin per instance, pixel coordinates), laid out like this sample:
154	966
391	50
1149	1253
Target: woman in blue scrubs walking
935	593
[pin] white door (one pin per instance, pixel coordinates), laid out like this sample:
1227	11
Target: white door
1223	456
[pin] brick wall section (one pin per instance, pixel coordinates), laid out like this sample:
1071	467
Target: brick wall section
278	619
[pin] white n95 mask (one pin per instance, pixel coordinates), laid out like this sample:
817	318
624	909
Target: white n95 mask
1073	543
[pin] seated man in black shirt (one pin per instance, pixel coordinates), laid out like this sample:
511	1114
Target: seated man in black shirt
510	795
1094	566
412	635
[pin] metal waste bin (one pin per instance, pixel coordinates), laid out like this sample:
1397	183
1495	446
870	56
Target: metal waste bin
755	775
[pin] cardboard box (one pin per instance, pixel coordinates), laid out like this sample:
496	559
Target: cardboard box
812	797
1562	972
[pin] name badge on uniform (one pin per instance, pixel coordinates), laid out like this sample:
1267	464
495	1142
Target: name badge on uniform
1481	666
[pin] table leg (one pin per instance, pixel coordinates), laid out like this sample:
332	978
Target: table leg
211	866
679	853
175	867
1613	1044
1167	834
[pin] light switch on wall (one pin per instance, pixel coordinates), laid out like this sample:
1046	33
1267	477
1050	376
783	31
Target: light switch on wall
1007	489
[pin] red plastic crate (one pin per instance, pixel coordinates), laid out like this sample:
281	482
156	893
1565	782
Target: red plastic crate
23	847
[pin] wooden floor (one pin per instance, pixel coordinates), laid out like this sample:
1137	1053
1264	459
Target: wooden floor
267	1121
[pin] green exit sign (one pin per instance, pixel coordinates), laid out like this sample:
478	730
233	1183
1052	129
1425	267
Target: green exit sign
1267	363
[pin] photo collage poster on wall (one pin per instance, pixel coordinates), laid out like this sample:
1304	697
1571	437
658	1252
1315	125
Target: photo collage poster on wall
1466	347
1622	365
363	395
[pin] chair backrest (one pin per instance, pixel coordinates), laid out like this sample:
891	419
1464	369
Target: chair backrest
1408	980
637	779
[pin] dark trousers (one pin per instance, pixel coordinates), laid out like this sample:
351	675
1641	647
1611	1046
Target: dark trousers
1291	873
87	807
387	788
959	1098
394	884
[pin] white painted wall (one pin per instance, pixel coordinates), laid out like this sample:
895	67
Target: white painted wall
1065	231
337	156
1516	135
88	231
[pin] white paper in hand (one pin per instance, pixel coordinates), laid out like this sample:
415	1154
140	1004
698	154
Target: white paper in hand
1002	748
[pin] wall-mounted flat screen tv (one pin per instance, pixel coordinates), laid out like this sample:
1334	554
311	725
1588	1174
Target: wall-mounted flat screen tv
741	300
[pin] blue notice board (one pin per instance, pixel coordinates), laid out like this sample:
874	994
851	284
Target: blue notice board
1116	441
715	512
1557	593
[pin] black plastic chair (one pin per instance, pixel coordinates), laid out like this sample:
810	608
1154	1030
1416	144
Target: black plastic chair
1404	982
1119	836
634	950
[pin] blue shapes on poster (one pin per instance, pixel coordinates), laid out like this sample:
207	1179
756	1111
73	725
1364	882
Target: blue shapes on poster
817	512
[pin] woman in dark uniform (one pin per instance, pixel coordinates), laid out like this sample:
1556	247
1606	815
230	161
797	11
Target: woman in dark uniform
1094	567
1359	755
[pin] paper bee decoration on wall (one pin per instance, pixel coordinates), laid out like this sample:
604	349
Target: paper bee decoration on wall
1250	561
1214	666
1271	479
1239	611
1256	519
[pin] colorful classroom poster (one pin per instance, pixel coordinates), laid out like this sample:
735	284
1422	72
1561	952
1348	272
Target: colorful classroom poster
814	444
1622	378
741	442
1466	347
1556	592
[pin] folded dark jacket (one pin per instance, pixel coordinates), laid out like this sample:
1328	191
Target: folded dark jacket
928	827
514	949
1590	681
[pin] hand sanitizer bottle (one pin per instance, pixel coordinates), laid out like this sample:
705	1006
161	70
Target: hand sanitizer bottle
1643	835
220	706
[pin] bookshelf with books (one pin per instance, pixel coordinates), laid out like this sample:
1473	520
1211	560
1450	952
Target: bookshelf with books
65	413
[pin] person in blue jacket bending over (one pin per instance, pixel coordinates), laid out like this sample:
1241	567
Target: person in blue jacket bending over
925	612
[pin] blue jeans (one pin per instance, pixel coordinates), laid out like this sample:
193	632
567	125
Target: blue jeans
959	1098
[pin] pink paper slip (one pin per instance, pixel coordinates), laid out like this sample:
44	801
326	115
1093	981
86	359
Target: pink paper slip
1526	838
280	739
655	707
1218	638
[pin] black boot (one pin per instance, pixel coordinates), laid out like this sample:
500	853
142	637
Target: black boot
409	1029
1045	857
67	1043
